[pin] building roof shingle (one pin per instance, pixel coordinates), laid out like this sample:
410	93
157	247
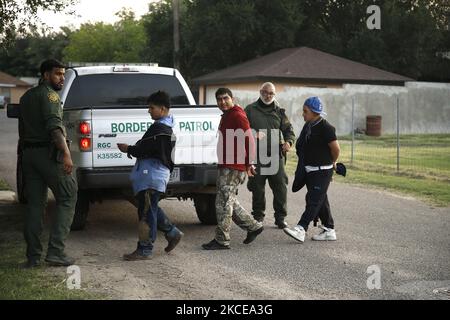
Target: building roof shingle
305	64
7	79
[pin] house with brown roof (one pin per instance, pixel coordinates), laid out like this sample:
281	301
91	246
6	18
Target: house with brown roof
296	67
11	88
350	91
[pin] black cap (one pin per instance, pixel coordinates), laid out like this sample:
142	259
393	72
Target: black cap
341	169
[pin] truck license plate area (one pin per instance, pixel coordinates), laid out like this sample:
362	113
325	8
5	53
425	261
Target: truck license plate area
175	175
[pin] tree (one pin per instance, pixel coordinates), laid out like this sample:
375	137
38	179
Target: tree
408	42
216	34
412	33
220	33
237	31
17	18
123	41
26	53
159	30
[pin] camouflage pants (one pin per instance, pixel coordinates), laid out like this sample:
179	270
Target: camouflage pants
228	208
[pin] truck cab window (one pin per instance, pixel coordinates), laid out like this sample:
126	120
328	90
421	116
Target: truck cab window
105	90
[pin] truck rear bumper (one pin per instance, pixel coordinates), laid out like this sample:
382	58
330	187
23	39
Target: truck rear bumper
191	177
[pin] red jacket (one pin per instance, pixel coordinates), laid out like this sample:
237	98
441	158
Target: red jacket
243	143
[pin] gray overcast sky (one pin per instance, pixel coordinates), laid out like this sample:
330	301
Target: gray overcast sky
93	11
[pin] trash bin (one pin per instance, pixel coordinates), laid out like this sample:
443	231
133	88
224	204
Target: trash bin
373	126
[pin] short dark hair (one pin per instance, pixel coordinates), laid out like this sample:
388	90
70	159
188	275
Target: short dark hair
222	91
159	98
49	64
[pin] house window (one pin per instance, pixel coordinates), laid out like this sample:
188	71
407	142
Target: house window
5	95
5	92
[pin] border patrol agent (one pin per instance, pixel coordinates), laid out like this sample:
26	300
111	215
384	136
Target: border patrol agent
265	115
46	164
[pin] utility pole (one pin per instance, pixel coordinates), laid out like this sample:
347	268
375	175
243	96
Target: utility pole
176	34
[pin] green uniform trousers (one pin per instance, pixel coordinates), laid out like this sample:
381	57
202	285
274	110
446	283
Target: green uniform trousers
40	173
278	183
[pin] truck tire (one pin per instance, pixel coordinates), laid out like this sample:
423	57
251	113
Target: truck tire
81	211
205	205
20	181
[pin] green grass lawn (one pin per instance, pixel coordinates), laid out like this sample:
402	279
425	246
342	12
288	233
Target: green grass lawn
3	185
36	284
424	167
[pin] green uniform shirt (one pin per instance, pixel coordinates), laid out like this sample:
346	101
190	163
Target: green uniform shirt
269	117
41	113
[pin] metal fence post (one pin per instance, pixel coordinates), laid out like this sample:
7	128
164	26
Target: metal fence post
353	130
398	134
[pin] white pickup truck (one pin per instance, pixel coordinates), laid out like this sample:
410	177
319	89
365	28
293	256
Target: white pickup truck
104	105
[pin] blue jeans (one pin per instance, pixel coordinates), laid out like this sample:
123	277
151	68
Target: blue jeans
152	217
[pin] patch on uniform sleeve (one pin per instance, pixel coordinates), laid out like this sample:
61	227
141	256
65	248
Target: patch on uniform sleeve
53	97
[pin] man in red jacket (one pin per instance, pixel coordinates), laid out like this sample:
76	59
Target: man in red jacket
235	151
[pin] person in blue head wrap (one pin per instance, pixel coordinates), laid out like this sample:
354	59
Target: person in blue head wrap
318	150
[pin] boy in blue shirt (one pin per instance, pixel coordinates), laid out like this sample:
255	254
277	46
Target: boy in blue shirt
150	176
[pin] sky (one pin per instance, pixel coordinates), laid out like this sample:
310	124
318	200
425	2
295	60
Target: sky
94	11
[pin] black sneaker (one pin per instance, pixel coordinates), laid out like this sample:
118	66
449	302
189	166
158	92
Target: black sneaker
214	245
281	224
251	235
59	261
173	241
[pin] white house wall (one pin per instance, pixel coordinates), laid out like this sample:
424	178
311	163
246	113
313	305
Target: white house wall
424	106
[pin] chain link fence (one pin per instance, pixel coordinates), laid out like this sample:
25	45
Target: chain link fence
423	156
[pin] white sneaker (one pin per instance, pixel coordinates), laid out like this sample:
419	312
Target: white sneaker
327	234
298	233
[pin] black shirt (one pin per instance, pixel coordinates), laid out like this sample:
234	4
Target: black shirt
317	151
158	142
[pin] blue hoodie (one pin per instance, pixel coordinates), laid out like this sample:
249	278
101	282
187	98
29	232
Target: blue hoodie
151	173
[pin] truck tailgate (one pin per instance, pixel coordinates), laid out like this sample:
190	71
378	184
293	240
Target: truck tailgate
195	130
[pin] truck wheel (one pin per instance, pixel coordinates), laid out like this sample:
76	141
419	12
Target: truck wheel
81	211
20	181
205	205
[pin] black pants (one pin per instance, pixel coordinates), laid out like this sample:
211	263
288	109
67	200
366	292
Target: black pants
317	183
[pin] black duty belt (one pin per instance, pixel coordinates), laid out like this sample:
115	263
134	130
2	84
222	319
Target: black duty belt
35	145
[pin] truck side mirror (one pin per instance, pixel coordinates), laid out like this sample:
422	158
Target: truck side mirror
13	110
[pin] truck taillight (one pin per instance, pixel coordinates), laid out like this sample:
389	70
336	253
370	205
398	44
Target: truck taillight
85	144
85	128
